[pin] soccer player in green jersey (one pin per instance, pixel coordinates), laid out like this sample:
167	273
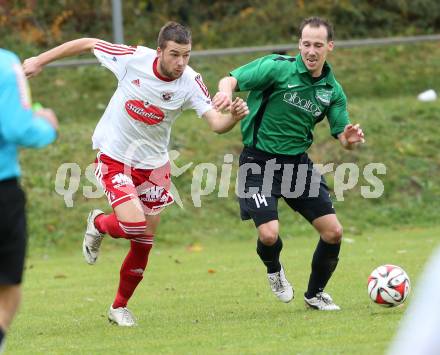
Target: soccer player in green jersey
288	96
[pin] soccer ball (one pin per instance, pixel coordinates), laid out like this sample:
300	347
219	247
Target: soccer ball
388	285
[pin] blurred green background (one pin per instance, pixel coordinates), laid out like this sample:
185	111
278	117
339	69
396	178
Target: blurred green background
30	24
381	83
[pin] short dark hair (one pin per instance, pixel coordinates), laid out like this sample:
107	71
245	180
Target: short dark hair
317	22
173	31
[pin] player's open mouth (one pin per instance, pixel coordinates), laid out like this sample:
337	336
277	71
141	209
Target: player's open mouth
311	61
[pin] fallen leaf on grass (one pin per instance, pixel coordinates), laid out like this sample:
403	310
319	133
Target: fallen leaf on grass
194	248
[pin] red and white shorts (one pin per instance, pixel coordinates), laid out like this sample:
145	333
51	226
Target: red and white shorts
121	183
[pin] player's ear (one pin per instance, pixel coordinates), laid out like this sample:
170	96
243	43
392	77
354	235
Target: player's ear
331	45
158	51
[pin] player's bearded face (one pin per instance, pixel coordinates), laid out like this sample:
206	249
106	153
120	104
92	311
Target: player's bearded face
173	59
314	48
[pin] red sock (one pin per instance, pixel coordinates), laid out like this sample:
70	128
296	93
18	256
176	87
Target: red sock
109	224
132	269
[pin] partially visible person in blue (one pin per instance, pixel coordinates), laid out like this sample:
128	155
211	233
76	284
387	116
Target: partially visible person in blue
19	127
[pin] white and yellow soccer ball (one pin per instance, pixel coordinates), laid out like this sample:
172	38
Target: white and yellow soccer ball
388	285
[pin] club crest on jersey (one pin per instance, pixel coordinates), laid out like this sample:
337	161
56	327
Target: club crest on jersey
324	96
167	95
144	112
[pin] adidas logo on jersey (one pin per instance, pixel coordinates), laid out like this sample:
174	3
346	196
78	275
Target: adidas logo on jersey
136	82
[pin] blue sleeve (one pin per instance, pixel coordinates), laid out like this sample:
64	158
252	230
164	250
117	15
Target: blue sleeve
18	124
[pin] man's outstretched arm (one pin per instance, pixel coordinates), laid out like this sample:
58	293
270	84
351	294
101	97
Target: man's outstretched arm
34	65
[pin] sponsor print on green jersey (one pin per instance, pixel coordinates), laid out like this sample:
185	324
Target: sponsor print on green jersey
294	99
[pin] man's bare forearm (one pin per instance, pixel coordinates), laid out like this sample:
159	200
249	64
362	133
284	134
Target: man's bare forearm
227	85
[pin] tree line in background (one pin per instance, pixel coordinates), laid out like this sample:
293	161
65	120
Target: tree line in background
215	24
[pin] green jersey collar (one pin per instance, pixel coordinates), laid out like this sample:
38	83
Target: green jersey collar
302	69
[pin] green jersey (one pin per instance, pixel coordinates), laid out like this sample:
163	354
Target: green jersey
285	103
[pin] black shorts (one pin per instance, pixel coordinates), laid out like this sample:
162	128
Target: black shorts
291	177
12	232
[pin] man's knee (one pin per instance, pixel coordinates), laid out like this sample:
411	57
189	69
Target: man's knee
268	232
332	234
152	223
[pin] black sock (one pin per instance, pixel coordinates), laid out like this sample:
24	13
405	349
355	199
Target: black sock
270	255
324	262
2	337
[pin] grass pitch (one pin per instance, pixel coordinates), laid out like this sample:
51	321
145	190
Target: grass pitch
213	298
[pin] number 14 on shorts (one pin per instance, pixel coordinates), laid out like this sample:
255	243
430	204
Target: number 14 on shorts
259	200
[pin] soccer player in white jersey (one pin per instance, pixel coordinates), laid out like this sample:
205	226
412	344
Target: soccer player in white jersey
132	136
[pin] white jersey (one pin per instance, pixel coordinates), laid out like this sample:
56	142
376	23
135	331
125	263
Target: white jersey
136	125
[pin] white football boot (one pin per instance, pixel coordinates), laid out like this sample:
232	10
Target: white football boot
92	238
322	301
121	316
280	286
